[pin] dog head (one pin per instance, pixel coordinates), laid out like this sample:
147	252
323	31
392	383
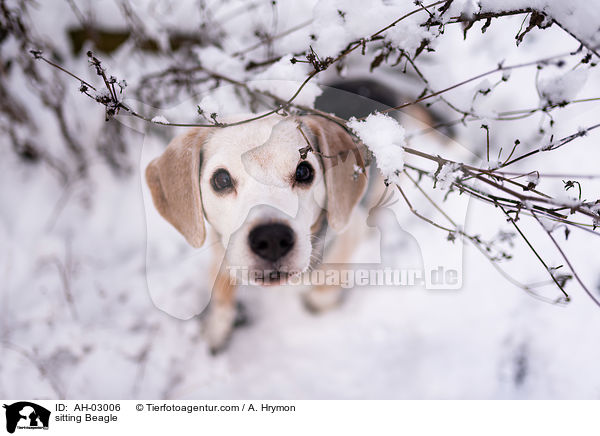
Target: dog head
252	184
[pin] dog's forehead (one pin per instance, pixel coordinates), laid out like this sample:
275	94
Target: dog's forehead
272	143
250	135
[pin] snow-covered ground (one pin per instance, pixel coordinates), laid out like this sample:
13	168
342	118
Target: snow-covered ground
82	315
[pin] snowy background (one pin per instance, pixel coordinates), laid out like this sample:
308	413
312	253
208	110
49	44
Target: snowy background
78	315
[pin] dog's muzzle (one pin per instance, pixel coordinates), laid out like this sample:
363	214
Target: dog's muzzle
271	241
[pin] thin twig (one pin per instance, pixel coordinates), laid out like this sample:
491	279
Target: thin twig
564	256
512	221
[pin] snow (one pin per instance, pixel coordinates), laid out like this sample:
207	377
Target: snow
596	209
494	164
561	88
337	23
447	175
533	178
159	119
580	17
548	224
217	61
484	86
470	8
90	271
283	79
209	105
385	138
408	36
568	200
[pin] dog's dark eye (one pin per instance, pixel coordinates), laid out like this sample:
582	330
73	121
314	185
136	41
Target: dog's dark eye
304	173
221	180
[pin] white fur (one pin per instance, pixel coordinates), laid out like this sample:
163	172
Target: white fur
218	326
262	158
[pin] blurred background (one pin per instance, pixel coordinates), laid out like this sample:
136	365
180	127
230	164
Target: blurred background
91	278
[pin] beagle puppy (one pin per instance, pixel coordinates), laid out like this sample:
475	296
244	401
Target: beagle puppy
269	189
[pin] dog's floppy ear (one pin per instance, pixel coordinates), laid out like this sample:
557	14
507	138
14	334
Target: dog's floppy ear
339	155
174	181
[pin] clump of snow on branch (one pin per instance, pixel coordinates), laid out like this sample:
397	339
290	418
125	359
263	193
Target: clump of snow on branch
533	179
596	209
581	17
217	61
448	173
562	88
494	164
159	119
568	201
385	138
408	36
469	8
210	105
338	22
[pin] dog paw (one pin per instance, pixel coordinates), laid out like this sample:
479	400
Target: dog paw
218	327
242	317
319	300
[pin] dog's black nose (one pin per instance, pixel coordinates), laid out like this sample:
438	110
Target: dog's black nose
271	241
